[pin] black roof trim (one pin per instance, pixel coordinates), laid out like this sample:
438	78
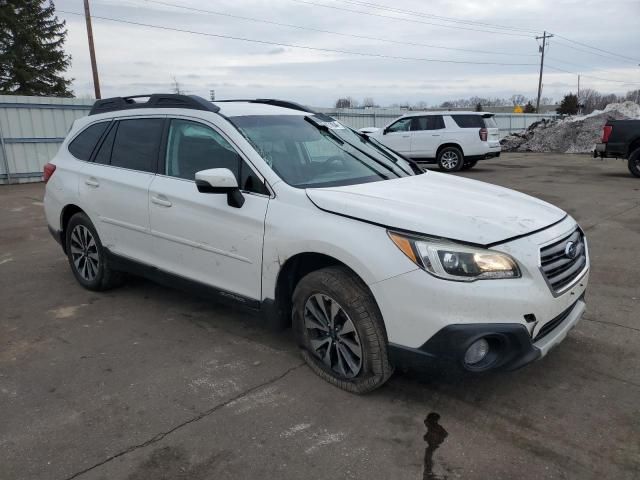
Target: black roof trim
156	100
273	101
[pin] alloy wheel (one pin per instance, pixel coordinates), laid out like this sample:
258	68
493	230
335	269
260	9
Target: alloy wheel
84	252
449	160
332	336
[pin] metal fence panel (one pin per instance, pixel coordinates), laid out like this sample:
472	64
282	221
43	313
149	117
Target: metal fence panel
31	131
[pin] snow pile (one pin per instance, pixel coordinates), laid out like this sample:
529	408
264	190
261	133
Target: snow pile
571	135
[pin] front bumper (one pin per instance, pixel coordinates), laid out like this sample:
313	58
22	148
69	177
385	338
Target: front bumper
428	318
511	344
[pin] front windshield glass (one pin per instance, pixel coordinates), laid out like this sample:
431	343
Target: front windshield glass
313	152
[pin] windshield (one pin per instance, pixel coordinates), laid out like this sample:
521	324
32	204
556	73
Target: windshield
317	151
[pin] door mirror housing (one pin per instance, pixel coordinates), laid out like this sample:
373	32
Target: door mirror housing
220	180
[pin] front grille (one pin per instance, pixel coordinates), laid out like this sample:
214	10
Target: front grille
560	263
548	327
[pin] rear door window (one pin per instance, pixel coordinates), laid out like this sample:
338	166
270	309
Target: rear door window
136	144
82	146
468	121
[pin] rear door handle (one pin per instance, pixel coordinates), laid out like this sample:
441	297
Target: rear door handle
435	134
406	136
161	200
92	182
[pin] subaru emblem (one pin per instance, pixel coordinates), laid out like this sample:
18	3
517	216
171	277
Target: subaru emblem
571	250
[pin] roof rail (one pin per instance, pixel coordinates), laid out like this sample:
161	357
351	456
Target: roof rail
273	101
156	100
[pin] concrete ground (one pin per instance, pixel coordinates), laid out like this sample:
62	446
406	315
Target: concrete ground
145	382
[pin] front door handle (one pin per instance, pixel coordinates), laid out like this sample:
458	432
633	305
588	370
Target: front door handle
92	182
406	136
161	200
435	134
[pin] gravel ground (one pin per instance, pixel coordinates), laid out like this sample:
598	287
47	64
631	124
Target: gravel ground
145	382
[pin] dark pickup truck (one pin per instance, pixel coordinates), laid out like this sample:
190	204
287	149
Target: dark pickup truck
621	139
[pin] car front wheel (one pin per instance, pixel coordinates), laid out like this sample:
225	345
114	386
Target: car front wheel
340	331
450	159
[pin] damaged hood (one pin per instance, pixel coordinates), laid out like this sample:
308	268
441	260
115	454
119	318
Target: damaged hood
441	205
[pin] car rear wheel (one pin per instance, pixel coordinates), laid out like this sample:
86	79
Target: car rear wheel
450	159
87	257
340	331
634	163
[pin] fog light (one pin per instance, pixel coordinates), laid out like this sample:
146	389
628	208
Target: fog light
476	352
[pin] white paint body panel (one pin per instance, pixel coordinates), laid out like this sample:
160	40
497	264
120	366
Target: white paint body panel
167	223
199	237
441	205
424	144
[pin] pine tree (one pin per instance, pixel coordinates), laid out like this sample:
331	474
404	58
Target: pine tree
569	105
32	59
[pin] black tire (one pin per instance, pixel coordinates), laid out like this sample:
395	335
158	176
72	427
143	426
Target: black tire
450	159
468	165
91	267
355	300
634	163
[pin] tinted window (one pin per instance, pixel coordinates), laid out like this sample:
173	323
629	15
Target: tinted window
104	151
401	125
431	122
82	146
468	121
136	144
192	147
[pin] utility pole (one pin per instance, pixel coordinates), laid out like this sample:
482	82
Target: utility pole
92	52
544	44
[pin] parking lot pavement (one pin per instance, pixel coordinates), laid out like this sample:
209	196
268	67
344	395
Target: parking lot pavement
144	382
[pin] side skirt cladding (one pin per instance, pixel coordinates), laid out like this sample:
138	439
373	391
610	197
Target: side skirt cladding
181	283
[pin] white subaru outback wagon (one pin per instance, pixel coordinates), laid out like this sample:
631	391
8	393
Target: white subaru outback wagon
268	204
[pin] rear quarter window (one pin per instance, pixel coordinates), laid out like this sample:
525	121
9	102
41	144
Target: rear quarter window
136	144
82	146
469	121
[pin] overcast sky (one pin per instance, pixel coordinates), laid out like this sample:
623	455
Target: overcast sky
134	59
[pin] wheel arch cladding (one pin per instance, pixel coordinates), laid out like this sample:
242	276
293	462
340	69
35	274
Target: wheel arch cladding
67	212
294	269
450	144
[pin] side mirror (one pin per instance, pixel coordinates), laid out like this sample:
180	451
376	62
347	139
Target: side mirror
220	180
385	131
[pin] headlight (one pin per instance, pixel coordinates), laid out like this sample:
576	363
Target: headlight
454	261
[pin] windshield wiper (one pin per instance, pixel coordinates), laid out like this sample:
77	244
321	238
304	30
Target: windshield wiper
322	122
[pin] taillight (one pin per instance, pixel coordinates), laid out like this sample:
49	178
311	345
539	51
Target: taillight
606	133
49	168
484	133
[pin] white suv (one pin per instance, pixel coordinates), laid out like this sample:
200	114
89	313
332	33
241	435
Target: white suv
270	205
453	140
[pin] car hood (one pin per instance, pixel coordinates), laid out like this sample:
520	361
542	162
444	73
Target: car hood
441	205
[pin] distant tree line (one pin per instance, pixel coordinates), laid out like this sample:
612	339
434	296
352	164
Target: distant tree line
588	101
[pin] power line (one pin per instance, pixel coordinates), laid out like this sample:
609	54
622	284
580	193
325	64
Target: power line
592	76
635	60
435	17
607	57
409	19
300	27
305	47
